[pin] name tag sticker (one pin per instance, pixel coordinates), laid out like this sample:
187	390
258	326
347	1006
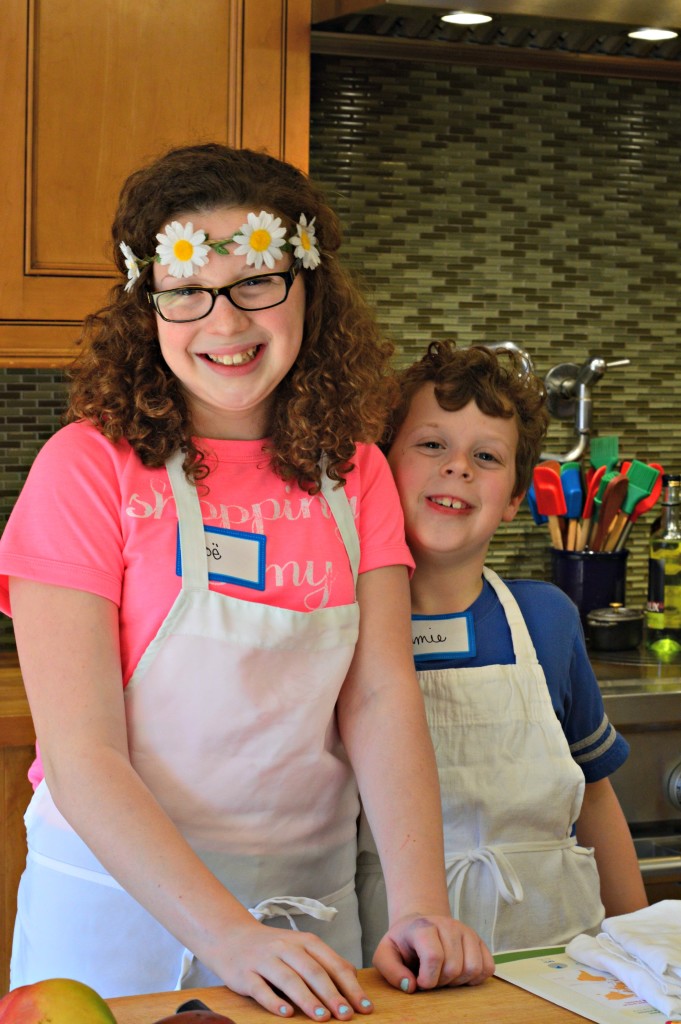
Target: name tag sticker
442	636
233	557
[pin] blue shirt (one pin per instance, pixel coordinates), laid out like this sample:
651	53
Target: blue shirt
556	631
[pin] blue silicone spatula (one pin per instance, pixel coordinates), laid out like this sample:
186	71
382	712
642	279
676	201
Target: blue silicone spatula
531	499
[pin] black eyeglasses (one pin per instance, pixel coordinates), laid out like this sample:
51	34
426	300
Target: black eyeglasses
182	305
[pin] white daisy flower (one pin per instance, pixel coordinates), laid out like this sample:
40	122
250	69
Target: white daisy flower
180	249
131	264
305	243
260	239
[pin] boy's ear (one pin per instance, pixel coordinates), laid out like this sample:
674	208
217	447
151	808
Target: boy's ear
512	507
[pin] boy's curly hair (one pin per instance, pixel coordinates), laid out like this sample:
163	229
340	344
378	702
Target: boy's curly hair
477	374
340	388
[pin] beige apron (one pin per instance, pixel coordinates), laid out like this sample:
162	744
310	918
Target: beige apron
510	795
231	724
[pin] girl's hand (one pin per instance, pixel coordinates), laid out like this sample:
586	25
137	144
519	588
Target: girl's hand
431	952
286	969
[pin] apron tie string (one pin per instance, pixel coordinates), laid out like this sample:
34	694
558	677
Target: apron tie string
290	907
505	878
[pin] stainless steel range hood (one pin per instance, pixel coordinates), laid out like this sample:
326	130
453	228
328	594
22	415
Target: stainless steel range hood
581	36
661	13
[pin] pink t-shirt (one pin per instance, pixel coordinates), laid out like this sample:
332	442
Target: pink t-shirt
92	517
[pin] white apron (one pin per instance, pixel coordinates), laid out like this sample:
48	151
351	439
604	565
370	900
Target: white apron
231	724
510	795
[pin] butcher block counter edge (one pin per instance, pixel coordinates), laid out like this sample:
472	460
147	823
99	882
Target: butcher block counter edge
494	1001
16	725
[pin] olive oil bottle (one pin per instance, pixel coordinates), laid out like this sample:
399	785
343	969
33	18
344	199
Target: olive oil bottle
663	608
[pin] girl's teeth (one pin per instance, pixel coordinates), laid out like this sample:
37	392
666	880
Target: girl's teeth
236	360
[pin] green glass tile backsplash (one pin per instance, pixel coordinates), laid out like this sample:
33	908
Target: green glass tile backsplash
31	404
512	205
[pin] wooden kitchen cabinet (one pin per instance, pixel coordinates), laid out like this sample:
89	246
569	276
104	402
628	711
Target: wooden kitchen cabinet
17	750
93	88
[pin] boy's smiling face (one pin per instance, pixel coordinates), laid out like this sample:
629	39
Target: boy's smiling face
455	473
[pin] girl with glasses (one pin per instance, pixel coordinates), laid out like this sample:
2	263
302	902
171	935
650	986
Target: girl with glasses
208	579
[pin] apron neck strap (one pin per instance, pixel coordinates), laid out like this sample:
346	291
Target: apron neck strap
523	648
190	523
338	502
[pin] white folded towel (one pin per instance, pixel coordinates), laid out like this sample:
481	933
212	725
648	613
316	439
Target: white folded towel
642	949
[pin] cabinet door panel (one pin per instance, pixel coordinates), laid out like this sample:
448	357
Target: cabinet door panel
106	86
112	84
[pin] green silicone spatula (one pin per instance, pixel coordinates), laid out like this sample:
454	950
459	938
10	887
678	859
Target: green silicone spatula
604	451
642	506
641	480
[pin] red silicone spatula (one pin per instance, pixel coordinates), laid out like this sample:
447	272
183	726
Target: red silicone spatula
550	500
587	511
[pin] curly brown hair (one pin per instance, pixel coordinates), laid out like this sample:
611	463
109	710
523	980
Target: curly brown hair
461	375
337	393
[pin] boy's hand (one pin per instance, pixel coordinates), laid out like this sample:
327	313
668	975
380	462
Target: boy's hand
431	952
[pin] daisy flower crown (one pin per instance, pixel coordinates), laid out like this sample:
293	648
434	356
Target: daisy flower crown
261	239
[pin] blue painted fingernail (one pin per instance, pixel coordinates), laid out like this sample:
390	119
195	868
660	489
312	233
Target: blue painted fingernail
320	1012
283	1010
343	1008
365	1003
404	984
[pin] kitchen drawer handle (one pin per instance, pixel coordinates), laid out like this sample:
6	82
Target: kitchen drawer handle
657	867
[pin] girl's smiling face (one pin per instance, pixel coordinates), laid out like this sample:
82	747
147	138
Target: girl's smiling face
231	362
455	473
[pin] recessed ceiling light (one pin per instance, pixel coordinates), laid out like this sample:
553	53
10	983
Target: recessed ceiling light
653	35
466	18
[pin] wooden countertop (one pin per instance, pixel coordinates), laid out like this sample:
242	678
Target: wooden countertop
16	724
495	1001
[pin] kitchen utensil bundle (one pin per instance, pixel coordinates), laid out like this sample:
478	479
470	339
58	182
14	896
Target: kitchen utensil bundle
593	510
614	494
640	481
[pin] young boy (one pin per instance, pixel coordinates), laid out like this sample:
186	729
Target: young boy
536	844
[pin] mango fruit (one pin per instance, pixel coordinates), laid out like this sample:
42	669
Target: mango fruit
55	1001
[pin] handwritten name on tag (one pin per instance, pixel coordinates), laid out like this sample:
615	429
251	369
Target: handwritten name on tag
233	557
442	636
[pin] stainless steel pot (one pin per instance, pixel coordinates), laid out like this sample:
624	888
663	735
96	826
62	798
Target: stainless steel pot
615	628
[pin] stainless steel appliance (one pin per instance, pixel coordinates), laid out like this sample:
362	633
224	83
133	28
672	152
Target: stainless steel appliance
642	698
